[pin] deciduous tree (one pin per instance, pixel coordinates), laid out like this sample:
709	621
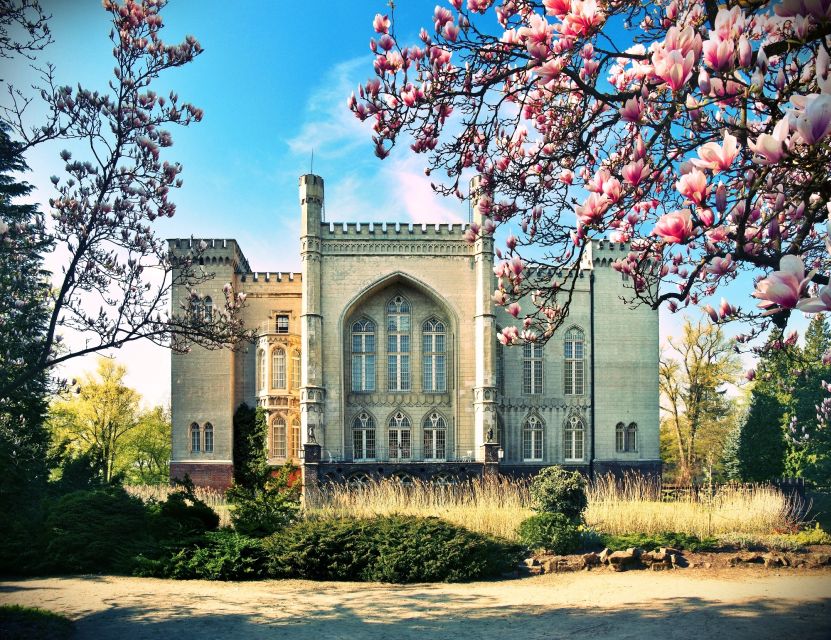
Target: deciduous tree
698	132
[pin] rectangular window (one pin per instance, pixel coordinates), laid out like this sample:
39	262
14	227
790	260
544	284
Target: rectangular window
532	369
194	439
398	363
295	370
532	445
209	440
282	324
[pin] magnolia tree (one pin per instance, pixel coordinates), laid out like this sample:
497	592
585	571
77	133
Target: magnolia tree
116	276
698	133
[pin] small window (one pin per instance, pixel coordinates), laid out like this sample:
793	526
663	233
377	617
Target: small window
620	437
295	370
626	438
261	370
532	439
209	438
278	437
632	437
294	441
195	438
208	307
282	324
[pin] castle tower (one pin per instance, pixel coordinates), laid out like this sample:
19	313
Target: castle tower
484	391
311	319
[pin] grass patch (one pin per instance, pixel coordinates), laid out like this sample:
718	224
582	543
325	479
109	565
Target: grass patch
651	541
28	623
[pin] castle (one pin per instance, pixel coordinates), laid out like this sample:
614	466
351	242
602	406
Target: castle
381	359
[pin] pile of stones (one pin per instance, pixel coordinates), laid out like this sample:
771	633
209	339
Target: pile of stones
634	558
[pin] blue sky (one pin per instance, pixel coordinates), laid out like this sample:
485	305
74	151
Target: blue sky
273	83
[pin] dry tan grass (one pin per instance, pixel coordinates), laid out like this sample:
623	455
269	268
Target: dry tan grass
211	497
498	506
491	506
636	506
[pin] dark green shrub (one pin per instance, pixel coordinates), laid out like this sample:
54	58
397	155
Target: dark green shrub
95	531
218	555
263	510
554	532
182	514
398	549
651	541
555	490
19	622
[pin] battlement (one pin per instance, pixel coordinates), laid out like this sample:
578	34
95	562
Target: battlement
389	230
218	251
619	249
272	276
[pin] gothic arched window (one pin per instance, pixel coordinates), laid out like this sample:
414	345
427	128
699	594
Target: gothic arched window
632	437
295	370
195	438
363	355
363	437
278	368
532	439
620	437
574	378
294	441
261	373
399	437
433	373
208	308
532	368
278	437
209	438
573	437
398	344
435	437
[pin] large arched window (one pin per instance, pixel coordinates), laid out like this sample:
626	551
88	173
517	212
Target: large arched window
278	437
294	440
208	308
632	437
363	355
209	438
574	378
399	437
363	437
532	439
398	344
435	437
573	436
433	348
195	438
261	374
278	368
295	370
532	368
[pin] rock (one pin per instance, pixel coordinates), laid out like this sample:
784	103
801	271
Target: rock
669	550
590	559
774	560
604	555
819	559
531	562
745	558
677	560
622	560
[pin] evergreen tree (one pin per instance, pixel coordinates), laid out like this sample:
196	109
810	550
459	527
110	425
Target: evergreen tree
755	450
250	437
24	307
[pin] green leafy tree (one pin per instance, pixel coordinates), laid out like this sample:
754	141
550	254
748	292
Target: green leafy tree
250	436
698	415
99	418
148	448
755	449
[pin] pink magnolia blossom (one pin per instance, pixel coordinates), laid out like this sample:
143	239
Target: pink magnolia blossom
675	227
818	304
815	121
782	288
673	67
771	148
592	210
514	309
582	18
381	24
566	177
715	156
557	8
693	186
708	309
634	172
508	335
719	53
721	266
632	110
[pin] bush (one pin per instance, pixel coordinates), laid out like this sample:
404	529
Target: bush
651	541
95	531
259	512
399	549
555	490
182	513
30	622
218	555
554	532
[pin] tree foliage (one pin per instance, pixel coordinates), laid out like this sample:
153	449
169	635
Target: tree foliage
697	414
117	275
250	437
698	132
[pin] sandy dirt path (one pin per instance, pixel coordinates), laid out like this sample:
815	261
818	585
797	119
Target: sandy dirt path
638	605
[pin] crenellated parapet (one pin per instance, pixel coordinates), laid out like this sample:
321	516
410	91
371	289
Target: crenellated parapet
216	252
381	230
272	276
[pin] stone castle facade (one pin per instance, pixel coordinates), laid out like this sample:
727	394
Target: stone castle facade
381	359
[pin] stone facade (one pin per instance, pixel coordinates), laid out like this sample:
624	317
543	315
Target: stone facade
400	373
